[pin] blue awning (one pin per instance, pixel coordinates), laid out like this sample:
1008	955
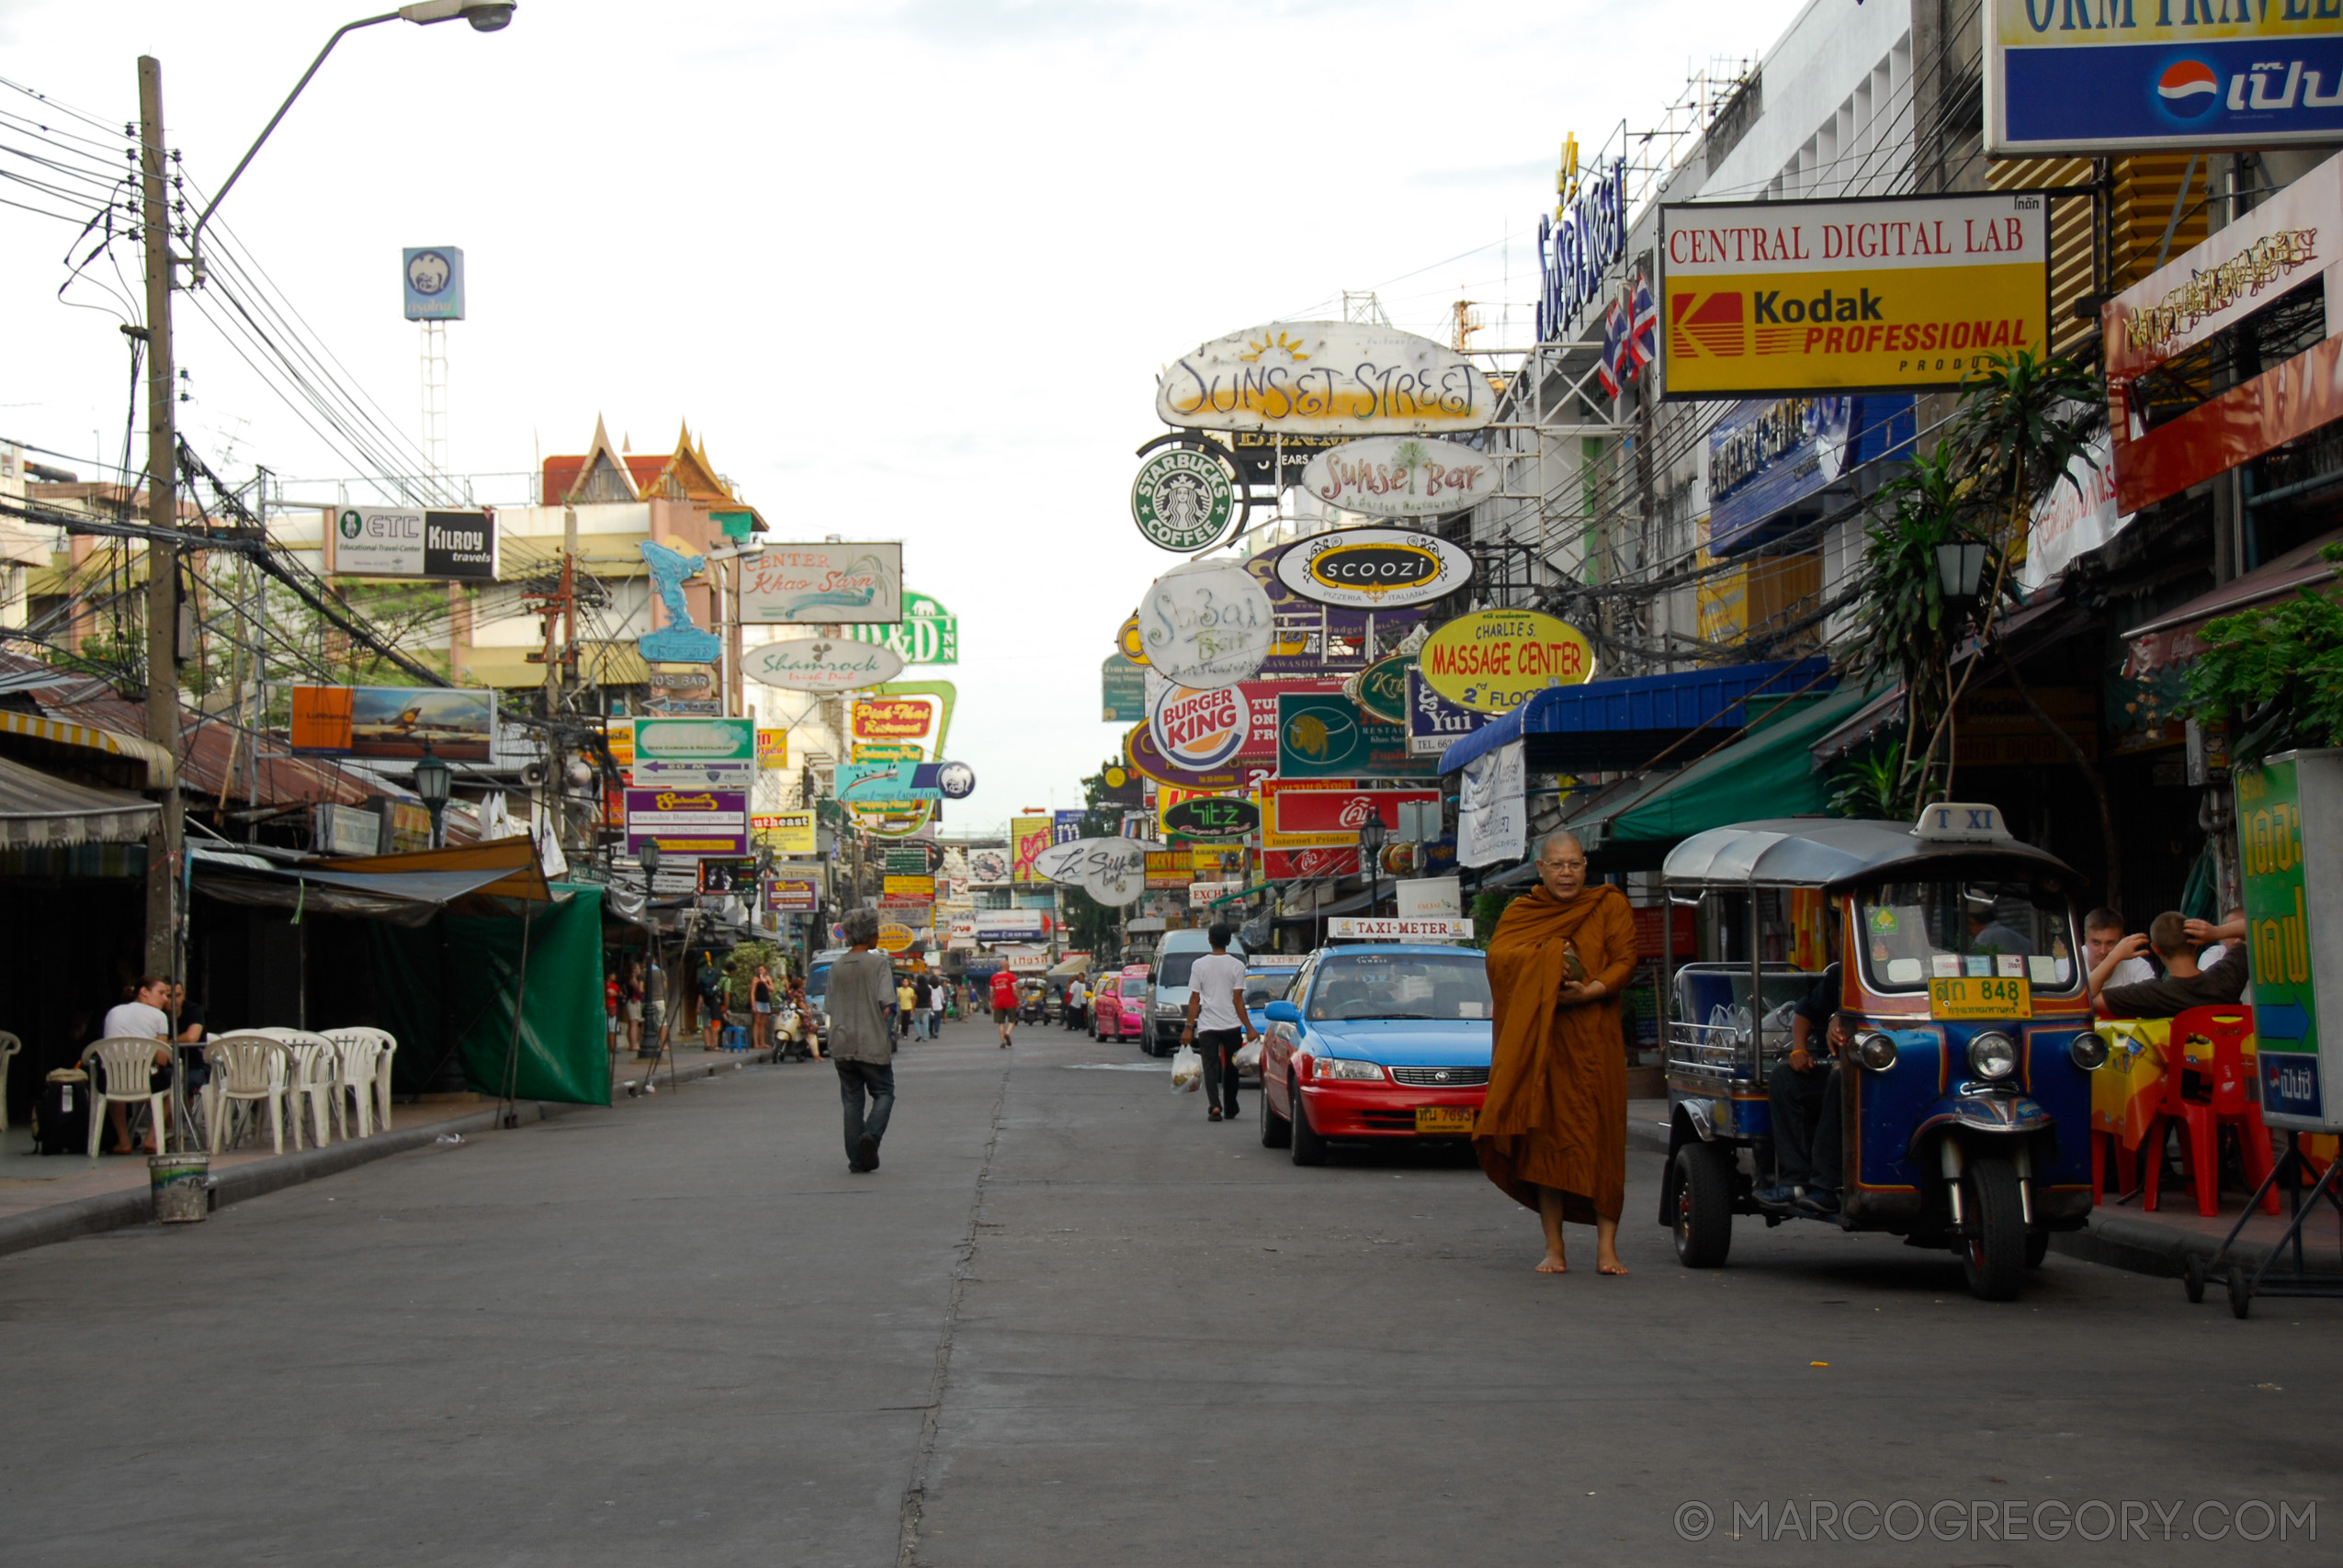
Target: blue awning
1623	722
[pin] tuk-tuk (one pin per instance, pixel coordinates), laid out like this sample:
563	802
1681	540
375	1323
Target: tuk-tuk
1964	1088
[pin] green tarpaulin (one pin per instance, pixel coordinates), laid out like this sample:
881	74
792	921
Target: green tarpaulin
1769	772
473	965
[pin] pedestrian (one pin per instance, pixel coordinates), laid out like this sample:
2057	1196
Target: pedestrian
906	1005
935	1004
1004	1006
612	1006
862	1045
1218	1023
630	1002
760	1009
710	984
139	1016
654	1009
922	1009
1553	1131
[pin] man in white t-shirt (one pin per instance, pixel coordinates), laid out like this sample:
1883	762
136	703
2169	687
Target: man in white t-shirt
1218	1023
140	1017
2109	957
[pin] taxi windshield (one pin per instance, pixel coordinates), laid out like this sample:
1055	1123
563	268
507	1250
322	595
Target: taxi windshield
1916	931
1401	985
1264	986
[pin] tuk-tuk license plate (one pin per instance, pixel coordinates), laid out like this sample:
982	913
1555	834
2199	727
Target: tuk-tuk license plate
1977	996
1445	1121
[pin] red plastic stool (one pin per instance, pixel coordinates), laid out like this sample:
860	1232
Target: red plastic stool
2223	1096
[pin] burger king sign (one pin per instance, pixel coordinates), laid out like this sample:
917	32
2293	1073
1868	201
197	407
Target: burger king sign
1200	729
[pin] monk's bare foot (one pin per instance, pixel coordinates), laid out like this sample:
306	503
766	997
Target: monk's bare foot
1553	1264
1610	1265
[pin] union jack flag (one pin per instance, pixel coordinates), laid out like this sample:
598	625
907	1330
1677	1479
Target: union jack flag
1643	332
1615	371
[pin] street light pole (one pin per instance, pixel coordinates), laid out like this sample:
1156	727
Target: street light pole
162	516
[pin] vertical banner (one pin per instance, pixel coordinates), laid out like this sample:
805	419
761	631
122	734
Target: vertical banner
1028	836
2291	846
1492	820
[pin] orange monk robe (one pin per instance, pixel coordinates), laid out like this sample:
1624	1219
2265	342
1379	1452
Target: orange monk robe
1556	1111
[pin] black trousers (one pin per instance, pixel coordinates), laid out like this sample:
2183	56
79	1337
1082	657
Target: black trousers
1806	1124
855	1080
1218	1047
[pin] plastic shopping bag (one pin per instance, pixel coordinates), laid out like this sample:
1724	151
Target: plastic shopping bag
1187	1068
1248	1058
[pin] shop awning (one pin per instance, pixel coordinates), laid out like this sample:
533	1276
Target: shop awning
41	809
1624	723
2300	568
406	889
513	861
161	770
1073	968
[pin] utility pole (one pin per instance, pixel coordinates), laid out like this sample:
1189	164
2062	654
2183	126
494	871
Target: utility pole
162	514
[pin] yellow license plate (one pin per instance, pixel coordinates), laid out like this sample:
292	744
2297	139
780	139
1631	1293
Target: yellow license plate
1978	996
1445	1121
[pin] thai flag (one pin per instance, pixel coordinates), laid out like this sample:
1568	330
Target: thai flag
1613	373
1642	334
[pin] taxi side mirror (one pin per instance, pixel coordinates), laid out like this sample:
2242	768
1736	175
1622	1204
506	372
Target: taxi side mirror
1281	1012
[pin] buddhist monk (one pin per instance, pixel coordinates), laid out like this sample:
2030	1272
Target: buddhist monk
1553	1133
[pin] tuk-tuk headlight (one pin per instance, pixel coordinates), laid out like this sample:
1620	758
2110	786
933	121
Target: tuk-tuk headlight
1993	1054
1876	1050
2089	1051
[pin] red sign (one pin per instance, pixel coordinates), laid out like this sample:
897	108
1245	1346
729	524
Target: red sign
1648	934
1326	813
1292	866
2232	427
894	718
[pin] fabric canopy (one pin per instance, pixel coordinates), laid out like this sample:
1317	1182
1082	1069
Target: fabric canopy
405	889
1623	723
39	810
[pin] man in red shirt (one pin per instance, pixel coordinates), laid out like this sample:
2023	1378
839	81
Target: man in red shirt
1004	1006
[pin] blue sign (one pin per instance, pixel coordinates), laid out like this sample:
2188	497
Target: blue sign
1575	252
1065	826
1434	722
1770	460
434	277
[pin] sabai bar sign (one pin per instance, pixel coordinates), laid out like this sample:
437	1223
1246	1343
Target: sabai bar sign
1896	294
405	541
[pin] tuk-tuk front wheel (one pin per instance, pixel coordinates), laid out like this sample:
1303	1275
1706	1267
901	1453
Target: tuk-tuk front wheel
1703	1218
1993	1245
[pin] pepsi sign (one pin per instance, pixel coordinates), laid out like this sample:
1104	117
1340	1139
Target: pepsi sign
2069	79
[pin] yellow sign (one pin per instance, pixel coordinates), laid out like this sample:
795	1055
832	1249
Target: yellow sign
1494	659
772	748
911	887
1891	294
784	832
896	936
621	736
1133	647
886	751
1980	997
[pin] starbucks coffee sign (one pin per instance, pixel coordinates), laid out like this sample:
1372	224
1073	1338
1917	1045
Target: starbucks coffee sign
1181	499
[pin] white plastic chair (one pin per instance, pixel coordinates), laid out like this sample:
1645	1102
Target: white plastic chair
249	1067
314	1080
128	1072
9	1046
366	1075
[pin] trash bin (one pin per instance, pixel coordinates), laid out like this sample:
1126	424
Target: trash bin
182	1185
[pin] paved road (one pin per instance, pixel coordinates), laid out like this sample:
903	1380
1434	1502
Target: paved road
1072	1323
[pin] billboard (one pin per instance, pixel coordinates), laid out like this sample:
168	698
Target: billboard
1325	736
457	724
1028	836
784	832
2067	80
860	582
1865	294
410	541
1325	377
1122	689
688	821
793	894
695	753
433	279
1304	814
1771	461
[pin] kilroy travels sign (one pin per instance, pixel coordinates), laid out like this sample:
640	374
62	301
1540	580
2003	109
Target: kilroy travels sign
1181	499
1575	252
821	664
1325	377
404	541
1400	476
1373	568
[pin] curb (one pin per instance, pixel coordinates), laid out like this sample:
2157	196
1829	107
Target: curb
113	1211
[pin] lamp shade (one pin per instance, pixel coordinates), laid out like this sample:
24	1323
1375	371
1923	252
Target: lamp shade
1372	834
648	858
432	778
1960	568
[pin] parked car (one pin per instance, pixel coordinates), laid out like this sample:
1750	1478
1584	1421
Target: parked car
1167	999
1376	1041
1120	1012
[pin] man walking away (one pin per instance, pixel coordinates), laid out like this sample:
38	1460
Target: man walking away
1004	1006
936	1008
923	1010
711	1001
862	1043
1218	1023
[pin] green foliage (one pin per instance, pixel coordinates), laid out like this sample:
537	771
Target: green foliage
2276	672
1488	909
739	970
1873	786
2023	421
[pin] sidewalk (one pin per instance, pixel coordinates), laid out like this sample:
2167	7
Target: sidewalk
2120	1235
56	1197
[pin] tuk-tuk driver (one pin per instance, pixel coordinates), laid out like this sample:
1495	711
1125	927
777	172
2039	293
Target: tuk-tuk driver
1802	1093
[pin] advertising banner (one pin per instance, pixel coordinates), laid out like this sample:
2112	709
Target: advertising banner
1325	814
457	724
1324	735
2288	812
784	832
1188	816
910	720
1327	378
1491	660
1065	826
2067	80
1492	814
718	874
918	888
1772	460
1012	925
1167	869
772	748
928	632
1292	865
1373	568
696	753
793	894
1434	722
820	664
688	822
825	584
1028	836
1886	294
402	541
1122	691
2078	516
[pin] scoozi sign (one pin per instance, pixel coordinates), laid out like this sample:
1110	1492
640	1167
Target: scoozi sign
1373	568
1494	659
1181	499
1888	294
1400	476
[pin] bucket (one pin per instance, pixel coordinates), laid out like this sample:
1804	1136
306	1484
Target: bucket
182	1185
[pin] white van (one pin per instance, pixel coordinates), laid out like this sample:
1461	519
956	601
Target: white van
1166	987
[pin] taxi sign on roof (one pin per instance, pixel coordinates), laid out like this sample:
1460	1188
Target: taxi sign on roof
1960	822
1386	928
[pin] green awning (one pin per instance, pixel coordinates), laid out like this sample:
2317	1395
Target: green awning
1769	772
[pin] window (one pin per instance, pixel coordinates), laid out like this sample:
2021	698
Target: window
1400	984
1916	931
1261	989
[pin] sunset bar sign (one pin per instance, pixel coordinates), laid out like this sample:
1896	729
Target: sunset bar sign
1890	294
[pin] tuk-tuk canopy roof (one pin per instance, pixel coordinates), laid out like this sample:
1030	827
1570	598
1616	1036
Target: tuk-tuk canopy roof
1820	851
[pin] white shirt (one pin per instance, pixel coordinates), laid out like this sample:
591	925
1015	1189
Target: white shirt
135	1020
1215	980
2131	972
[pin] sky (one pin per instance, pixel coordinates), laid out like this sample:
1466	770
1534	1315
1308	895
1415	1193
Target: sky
909	270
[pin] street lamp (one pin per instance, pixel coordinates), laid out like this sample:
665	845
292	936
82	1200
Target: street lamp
1960	569
432	779
1373	835
485	16
648	858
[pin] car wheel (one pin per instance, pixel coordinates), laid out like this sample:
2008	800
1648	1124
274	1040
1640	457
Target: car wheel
1992	1253
1703	1219
1276	1132
1308	1148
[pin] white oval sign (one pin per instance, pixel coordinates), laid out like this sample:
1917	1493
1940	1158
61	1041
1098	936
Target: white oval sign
1401	475
1373	568
1325	378
821	664
1112	870
1199	731
1206	623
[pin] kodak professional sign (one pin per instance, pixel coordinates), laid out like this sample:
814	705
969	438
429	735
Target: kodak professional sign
1899	294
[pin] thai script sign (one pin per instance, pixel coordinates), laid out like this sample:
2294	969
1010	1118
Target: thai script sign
1028	836
1326	378
1494	659
1401	475
2288	810
1374	567
1892	293
825	584
2071	79
1574	252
